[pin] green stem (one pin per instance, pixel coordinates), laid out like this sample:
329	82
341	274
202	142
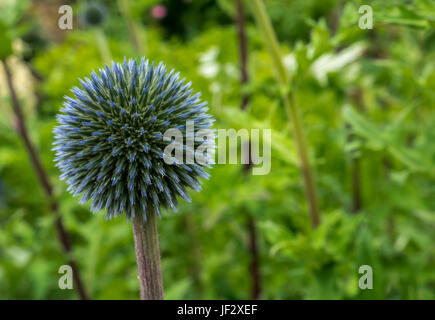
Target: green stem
103	45
196	255
146	241
271	41
287	95
132	26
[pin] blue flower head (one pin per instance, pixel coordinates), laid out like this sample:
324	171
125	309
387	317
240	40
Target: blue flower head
109	144
93	14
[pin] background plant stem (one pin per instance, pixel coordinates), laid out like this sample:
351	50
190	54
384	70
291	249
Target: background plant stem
243	50
21	128
287	94
131	26
254	266
355	162
146	241
103	45
196	269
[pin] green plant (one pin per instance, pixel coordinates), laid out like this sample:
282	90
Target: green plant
22	131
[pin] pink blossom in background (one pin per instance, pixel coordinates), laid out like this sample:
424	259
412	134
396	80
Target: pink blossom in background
158	11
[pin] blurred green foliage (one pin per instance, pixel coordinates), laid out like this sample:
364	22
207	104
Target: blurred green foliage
365	95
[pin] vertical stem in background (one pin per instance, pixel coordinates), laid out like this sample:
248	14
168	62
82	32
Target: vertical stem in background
196	254
103	45
374	52
131	26
253	239
272	44
335	18
44	181
240	19
255	262
254	267
146	242
356	185
355	165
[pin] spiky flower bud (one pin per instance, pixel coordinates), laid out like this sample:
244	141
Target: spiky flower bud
109	144
93	14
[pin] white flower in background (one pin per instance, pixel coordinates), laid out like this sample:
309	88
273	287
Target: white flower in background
231	70
332	62
209	67
290	63
215	87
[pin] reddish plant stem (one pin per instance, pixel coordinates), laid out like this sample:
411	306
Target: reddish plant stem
356	185
355	164
43	179
253	238
255	262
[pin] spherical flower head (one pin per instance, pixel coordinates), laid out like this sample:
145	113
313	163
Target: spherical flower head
93	14
109	144
158	11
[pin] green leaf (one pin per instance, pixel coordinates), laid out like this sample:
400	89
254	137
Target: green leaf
401	15
363	127
6	42
380	139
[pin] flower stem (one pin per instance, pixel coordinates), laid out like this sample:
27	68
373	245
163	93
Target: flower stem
243	50
254	267
103	45
146	242
287	94
133	29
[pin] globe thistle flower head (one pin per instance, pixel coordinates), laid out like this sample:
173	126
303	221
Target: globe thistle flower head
109	143
93	14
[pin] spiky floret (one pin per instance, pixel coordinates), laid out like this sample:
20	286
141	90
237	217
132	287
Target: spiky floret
109	144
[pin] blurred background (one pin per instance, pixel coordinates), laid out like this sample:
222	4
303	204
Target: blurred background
367	101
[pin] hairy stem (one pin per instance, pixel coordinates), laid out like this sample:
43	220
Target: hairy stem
146	242
287	94
43	179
